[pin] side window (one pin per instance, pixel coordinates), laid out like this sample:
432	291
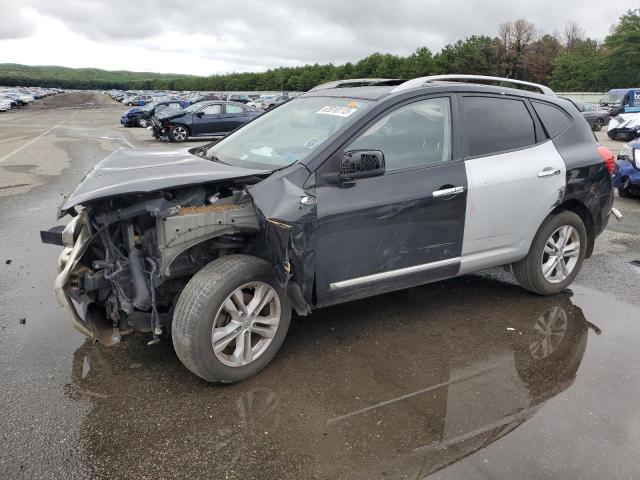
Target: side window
553	118
413	135
161	107
493	125
212	110
234	109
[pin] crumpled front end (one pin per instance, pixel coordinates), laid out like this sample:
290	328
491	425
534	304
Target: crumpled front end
67	262
126	259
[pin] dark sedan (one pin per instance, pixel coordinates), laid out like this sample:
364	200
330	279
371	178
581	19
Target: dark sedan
595	117
141	116
203	119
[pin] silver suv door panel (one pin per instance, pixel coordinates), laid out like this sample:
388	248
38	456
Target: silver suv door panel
509	195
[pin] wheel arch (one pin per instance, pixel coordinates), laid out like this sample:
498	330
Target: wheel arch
580	209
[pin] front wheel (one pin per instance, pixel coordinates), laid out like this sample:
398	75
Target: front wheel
555	256
143	122
230	319
178	133
624	190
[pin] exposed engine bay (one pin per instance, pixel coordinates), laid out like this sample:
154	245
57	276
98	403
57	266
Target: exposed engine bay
134	253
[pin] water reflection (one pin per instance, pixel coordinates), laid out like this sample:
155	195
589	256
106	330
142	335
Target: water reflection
398	386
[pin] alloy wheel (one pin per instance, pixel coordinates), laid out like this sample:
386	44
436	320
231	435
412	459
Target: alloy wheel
245	324
179	133
548	333
560	254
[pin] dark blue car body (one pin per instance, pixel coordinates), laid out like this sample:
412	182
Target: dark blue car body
202	119
131	117
627	174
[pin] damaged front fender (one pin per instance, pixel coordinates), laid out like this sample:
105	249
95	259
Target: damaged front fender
287	215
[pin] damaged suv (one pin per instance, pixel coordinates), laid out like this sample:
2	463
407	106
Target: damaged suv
342	193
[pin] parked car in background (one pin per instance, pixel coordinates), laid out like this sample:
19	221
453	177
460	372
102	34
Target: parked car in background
5	104
238	98
203	97
340	194
203	119
622	100
137	100
255	103
141	117
595	116
270	101
627	174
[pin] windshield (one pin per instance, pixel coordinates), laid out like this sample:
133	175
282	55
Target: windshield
612	97
287	134
148	107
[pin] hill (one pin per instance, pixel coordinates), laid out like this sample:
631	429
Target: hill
64	77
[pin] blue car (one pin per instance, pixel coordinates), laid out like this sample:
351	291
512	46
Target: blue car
627	174
141	117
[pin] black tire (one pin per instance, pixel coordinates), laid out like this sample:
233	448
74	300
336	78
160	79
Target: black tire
623	191
178	133
528	271
198	305
598	124
130	104
143	122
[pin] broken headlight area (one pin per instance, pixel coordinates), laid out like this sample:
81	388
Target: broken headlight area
128	258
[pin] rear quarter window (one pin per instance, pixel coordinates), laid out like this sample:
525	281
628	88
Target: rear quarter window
554	119
493	125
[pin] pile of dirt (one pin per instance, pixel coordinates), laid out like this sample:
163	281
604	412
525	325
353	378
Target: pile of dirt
74	100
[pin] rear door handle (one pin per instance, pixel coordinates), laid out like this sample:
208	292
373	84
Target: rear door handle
448	191
548	172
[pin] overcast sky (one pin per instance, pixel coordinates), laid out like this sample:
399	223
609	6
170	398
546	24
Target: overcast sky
205	37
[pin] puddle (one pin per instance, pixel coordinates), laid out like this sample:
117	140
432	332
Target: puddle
377	389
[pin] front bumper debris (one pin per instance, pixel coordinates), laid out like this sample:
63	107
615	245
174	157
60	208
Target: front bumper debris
66	263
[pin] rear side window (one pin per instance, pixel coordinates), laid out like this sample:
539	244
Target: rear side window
234	109
493	125
554	119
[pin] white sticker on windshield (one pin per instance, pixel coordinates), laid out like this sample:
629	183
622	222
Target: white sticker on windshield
337	111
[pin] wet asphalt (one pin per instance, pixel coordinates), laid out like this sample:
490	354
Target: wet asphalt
467	378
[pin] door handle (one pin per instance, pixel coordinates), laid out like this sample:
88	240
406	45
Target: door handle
448	191
548	172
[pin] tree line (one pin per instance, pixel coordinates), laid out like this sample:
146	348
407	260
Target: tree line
567	61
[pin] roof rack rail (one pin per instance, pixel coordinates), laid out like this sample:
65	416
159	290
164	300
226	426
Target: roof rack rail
358	82
421	81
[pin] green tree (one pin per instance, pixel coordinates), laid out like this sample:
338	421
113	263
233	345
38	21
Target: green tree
622	52
579	69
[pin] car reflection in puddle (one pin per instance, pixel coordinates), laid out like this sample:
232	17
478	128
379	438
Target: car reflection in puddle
397	386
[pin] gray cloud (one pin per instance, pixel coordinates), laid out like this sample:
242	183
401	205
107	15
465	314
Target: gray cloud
14	24
254	34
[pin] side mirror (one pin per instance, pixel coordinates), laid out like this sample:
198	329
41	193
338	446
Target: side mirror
199	114
361	164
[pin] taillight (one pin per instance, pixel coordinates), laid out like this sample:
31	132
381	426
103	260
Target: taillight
607	157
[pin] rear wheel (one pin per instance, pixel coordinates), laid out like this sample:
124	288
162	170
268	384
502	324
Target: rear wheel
555	256
178	133
230	319
598	124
